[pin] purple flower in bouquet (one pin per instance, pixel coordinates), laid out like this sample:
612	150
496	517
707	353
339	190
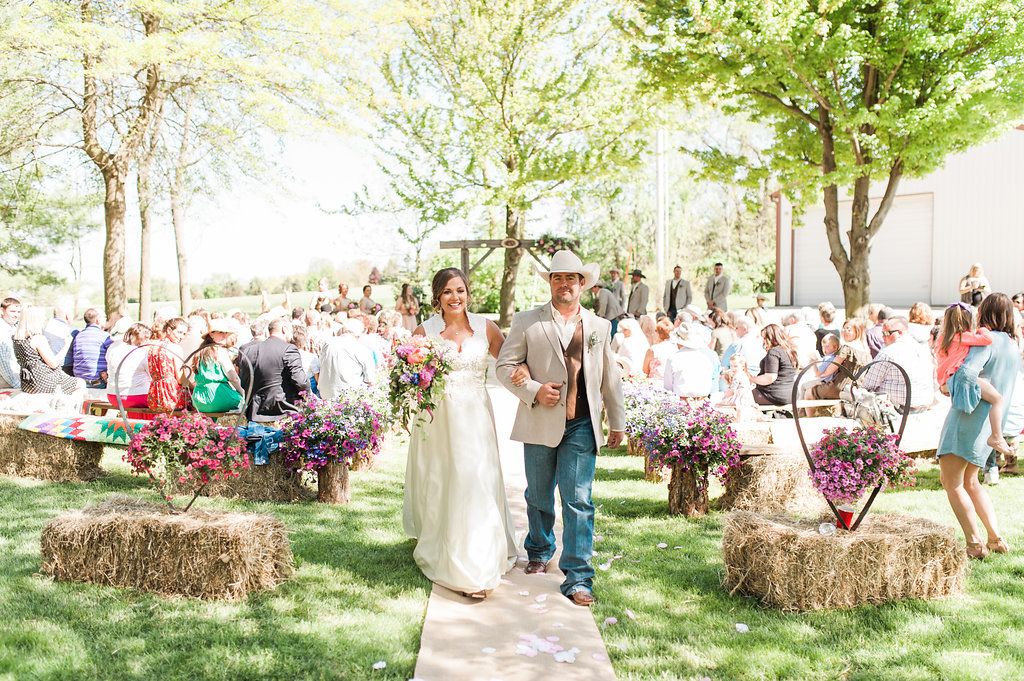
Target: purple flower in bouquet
847	463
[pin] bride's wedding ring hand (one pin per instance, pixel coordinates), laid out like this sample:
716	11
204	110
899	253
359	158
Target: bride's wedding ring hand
521	375
549	394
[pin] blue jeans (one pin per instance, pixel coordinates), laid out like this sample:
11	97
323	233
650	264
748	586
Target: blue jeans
570	465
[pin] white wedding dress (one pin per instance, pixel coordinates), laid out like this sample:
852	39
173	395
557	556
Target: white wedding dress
455	501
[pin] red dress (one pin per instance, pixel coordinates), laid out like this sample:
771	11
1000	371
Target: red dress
165	392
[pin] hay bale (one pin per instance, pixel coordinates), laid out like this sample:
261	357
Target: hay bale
37	455
202	554
753	432
787	564
775	483
272	482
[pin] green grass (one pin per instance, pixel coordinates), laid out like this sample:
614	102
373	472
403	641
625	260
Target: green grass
356	597
685	621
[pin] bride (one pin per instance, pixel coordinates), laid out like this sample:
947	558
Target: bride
455	503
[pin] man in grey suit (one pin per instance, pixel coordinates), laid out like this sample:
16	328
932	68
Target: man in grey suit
716	290
678	293
618	287
606	305
637	305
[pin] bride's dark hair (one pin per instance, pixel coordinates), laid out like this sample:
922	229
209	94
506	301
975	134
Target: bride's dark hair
440	281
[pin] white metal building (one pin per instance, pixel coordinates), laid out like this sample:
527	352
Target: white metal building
970	210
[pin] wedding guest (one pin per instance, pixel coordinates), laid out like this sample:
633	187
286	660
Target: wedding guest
197	329
962	449
722	333
58	330
632	347
269	312
647	325
658	354
757	316
749	342
920	319
974	287
606	305
678	293
692	370
617	287
346	363
38	366
407	306
310	361
638	293
717	289
128	368
774	382
389	326
873	335
341	302
321	297
218	387
277	375
802	338
244	332
853	354
902	350
366	303
89	350
827	313
165	363
10	370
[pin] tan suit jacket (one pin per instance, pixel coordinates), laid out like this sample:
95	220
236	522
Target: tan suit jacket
533	339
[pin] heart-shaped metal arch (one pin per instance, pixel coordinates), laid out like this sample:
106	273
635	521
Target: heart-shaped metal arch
854	377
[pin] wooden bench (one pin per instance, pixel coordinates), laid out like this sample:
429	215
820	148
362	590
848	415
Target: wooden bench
100	408
801	404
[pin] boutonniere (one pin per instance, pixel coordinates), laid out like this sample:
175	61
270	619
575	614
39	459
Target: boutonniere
593	340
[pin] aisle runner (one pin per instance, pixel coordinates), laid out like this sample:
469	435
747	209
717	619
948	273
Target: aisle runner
525	629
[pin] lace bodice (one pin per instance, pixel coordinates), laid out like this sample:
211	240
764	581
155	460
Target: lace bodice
469	370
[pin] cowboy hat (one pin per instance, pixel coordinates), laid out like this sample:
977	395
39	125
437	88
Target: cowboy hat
637	273
568	262
228	325
685	337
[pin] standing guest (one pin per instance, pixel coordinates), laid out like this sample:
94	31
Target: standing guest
269	312
921	320
901	349
341	302
217	385
692	371
89	350
606	305
768	315
962	449
321	297
678	293
827	313
638	294
128	367
774	382
407	306
39	368
277	375
853	354
366	303
165	363
974	286
717	289
658	354
10	370
346	363
617	287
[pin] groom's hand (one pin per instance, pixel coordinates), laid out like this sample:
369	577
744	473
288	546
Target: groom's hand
549	394
615	438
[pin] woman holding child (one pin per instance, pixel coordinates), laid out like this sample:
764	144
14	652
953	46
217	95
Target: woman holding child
852	354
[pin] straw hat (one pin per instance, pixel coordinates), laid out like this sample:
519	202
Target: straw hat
568	262
685	337
227	325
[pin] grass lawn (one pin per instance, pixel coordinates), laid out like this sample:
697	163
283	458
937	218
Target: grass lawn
356	596
685	622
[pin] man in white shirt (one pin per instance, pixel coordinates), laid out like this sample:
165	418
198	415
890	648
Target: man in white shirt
10	370
802	337
748	343
678	293
691	371
903	350
346	362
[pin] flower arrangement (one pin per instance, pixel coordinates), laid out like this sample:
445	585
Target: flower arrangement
848	462
417	378
353	306
322	431
549	243
190	450
377	308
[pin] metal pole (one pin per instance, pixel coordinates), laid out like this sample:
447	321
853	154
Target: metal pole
661	201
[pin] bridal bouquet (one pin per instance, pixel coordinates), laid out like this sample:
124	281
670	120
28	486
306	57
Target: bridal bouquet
417	378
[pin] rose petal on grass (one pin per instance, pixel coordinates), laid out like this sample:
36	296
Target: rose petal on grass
604	566
630	614
742	628
381	664
662	545
611	620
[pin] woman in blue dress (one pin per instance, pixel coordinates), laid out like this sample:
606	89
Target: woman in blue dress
962	449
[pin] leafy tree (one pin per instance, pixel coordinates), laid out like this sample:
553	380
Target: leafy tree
855	90
500	104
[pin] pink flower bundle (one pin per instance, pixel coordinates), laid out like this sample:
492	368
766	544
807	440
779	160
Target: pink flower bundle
849	462
417	377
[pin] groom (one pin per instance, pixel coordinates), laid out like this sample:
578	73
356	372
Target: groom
568	351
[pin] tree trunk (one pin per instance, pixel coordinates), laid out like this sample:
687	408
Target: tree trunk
114	209
145	220
178	222
683	496
332	484
857	278
513	230
655	473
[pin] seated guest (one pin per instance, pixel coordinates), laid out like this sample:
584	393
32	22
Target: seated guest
827	313
39	368
774	382
390	326
165	363
877	314
757	316
748	343
853	354
197	329
692	371
58	330
647	325
630	346
366	304
277	375
346	363
10	370
921	319
722	333
310	361
217	386
903	350
658	354
89	350
128	368
802	338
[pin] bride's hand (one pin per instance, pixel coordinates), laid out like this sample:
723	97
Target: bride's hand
521	375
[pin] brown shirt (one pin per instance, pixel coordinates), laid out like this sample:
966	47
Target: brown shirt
576	404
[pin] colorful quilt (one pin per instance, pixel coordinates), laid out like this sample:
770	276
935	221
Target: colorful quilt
113	431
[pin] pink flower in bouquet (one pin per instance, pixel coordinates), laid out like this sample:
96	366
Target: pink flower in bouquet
417	356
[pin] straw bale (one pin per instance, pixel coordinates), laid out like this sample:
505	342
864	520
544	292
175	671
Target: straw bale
753	432
46	457
787	564
134	543
775	483
272	482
